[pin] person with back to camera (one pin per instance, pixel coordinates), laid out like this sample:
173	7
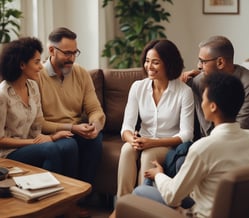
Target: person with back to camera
166	108
225	149
217	54
21	113
67	91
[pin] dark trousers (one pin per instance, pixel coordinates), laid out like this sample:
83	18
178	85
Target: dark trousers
60	156
90	151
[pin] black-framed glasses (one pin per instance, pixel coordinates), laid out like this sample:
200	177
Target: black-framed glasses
69	54
203	61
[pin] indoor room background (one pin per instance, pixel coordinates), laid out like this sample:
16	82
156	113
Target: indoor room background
95	25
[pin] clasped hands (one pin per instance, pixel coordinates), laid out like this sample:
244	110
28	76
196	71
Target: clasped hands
140	143
86	130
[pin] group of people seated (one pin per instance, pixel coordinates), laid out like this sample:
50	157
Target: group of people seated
193	125
42	107
171	158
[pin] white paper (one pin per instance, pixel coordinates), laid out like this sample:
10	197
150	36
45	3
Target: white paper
36	181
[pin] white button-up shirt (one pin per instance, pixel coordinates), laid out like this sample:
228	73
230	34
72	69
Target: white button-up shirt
173	116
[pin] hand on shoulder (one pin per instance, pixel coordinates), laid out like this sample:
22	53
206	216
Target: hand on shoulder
185	76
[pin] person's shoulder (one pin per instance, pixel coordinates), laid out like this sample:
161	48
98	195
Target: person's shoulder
43	73
246	131
142	82
180	83
181	86
3	84
201	145
140	85
33	85
80	72
241	70
3	88
243	74
78	68
198	77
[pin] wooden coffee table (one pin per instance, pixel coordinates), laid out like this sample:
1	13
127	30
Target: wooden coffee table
63	203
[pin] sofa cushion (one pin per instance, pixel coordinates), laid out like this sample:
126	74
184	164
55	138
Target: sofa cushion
117	84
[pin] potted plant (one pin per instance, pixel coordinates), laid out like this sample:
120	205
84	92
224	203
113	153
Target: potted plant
9	21
139	22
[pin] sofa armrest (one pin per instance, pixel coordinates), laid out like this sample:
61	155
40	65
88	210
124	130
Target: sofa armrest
136	206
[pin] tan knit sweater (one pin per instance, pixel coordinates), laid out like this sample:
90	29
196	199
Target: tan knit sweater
63	102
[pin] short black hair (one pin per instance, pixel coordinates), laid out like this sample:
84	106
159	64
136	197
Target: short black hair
226	91
169	54
219	46
16	52
62	32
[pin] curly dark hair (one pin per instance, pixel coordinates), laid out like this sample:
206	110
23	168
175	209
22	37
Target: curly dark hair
17	52
169	54
226	91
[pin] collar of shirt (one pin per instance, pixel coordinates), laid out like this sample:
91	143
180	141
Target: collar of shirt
171	85
226	127
49	68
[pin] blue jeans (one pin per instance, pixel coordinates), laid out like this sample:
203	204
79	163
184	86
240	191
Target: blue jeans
148	190
152	193
90	151
60	156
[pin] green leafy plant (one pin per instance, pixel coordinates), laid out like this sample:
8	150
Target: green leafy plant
139	22
8	21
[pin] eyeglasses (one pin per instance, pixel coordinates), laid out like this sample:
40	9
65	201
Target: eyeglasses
69	54
203	61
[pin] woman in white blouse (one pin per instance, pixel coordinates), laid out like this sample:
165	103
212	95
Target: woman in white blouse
165	106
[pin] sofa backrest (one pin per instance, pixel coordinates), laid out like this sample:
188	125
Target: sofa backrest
98	81
115	88
117	83
232	194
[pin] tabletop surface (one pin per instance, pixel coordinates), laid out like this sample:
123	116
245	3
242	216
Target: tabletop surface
62	201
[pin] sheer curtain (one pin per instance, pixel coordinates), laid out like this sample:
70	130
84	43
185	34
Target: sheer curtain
93	27
38	19
107	28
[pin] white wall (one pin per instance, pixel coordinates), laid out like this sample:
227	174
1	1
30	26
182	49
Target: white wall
81	16
188	26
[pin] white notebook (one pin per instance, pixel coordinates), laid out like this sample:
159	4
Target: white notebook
34	195
36	181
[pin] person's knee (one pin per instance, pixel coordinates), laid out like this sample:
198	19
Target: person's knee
68	145
49	147
127	150
138	191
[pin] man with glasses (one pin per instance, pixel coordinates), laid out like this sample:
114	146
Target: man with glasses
67	93
216	54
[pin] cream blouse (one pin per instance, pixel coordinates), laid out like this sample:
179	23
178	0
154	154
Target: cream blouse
19	120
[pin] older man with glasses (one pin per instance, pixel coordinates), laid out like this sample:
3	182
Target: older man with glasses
216	54
67	93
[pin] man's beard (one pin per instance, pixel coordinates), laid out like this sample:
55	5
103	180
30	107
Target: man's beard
65	70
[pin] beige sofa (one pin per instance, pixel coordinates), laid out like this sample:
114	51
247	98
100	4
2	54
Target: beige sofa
231	200
112	87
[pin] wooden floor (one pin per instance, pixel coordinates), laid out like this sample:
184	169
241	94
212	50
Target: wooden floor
99	206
